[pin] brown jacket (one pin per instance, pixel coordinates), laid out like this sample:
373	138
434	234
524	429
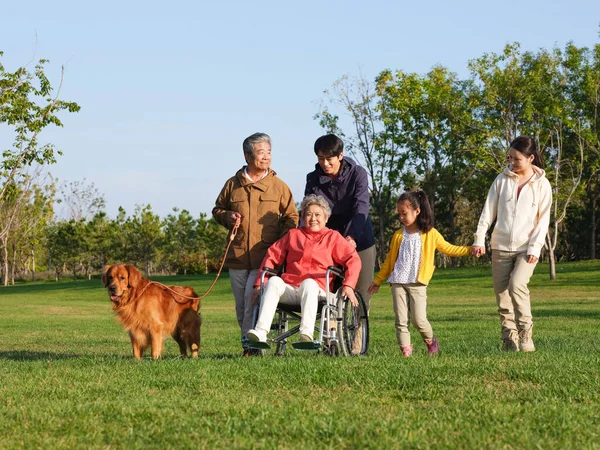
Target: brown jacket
268	212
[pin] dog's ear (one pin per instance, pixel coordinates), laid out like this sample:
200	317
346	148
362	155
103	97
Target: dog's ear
135	277
104	271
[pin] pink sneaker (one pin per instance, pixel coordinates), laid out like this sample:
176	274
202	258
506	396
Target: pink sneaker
406	350
433	347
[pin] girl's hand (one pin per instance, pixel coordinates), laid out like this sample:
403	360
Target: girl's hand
373	288
532	259
477	250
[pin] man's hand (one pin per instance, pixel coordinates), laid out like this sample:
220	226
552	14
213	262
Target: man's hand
235	219
351	240
347	291
373	289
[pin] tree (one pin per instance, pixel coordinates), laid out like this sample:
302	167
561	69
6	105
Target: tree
27	106
372	143
144	234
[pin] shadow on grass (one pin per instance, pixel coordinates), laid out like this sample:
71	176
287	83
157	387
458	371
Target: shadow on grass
25	355
586	314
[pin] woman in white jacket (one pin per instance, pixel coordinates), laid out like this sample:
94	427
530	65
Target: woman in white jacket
519	200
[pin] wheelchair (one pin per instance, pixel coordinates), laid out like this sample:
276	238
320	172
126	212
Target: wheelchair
339	324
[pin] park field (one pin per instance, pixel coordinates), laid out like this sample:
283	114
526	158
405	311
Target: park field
68	381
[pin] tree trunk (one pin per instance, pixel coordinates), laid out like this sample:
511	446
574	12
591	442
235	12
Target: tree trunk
13	265
4	263
593	229
551	258
32	264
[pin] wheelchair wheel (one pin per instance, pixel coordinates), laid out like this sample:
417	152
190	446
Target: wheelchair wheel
354	335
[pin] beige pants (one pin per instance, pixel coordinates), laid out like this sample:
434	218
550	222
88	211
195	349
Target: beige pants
365	278
242	286
511	273
410	303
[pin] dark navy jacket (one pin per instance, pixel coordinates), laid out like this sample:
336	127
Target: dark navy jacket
348	197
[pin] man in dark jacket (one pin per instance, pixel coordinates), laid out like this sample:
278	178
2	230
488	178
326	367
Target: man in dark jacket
345	185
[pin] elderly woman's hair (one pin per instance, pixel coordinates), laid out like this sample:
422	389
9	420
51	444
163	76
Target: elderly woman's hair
318	200
248	144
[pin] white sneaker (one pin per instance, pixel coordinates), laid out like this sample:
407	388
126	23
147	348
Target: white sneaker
257	336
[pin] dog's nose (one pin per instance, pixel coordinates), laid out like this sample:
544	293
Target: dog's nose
112	289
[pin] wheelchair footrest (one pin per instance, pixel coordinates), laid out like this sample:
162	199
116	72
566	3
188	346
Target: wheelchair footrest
309	345
258	345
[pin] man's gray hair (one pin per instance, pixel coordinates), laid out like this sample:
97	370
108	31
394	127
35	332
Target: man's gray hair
318	200
249	142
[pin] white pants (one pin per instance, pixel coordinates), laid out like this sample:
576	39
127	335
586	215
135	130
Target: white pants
306	295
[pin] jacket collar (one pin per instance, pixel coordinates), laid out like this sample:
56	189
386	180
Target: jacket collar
262	184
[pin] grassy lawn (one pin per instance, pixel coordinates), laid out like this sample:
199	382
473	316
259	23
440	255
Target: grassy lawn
67	378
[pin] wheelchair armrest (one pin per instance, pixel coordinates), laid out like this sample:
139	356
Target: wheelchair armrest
336	271
265	271
270	271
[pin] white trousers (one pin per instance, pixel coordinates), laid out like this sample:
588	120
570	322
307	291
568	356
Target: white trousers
306	295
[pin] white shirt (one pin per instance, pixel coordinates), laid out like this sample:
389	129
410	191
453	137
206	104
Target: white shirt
406	268
248	176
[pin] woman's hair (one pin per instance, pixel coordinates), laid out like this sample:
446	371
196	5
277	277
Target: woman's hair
418	199
318	200
527	146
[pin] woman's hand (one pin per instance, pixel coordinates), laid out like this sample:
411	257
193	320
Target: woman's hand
532	259
373	288
347	291
255	295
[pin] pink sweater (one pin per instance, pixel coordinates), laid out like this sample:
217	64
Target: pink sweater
308	254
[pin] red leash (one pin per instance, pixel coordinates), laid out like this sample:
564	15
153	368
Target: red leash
231	237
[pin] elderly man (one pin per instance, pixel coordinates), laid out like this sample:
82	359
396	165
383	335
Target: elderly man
264	207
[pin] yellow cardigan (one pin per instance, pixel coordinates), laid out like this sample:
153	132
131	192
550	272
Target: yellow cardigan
430	241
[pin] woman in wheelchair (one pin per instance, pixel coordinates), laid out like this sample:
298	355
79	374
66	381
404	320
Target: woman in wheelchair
306	252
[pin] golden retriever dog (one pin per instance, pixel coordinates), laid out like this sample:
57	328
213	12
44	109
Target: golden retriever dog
150	311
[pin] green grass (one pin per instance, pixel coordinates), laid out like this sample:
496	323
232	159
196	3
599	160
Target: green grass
67	379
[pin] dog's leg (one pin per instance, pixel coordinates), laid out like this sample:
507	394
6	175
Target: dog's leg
179	337
195	335
157	343
138	343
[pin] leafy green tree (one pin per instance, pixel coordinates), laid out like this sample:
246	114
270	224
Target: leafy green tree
372	142
144	236
27	106
180	239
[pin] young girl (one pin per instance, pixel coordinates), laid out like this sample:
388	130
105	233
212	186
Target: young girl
409	266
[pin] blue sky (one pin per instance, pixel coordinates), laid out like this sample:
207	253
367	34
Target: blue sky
169	90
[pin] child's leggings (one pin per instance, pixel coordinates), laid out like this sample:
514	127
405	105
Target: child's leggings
410	302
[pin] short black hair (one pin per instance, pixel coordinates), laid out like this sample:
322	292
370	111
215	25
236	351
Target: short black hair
329	145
